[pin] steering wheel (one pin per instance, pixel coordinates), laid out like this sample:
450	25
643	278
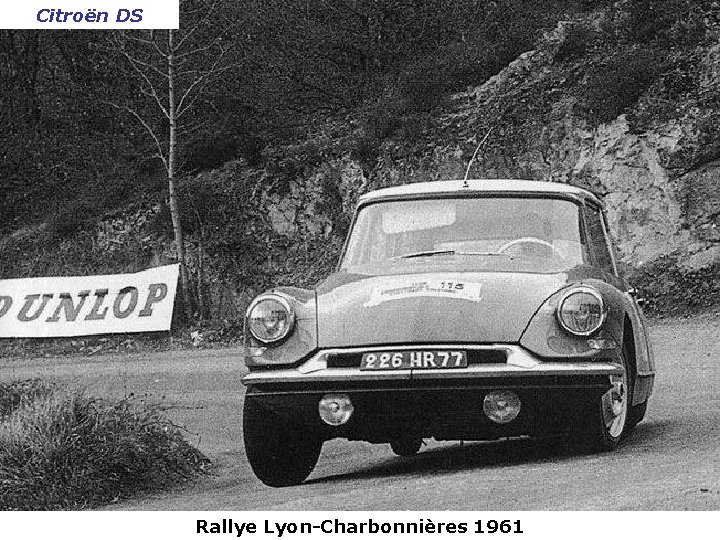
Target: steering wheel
530	240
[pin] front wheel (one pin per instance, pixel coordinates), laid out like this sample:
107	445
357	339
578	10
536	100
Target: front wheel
281	453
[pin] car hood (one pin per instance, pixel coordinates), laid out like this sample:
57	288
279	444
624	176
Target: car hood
446	307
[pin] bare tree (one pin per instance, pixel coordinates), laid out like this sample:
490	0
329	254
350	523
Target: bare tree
174	70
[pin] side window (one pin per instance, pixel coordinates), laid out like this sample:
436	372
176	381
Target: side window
597	243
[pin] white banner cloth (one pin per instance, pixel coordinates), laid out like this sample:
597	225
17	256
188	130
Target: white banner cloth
87	305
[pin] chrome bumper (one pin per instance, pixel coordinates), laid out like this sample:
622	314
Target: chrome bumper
519	363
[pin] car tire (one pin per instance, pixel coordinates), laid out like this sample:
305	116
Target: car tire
406	446
281	451
606	430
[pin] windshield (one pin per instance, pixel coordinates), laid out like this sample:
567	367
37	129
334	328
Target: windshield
498	233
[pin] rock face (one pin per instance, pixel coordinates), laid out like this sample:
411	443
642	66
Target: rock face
645	206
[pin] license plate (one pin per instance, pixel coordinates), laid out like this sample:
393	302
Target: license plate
429	359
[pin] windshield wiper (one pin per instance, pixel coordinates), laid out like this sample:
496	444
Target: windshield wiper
426	253
485	253
430	253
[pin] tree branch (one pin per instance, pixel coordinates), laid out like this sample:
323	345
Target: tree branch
203	80
209	11
152	42
151	87
146	65
147	127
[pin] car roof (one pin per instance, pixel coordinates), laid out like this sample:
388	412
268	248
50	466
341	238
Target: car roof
503	186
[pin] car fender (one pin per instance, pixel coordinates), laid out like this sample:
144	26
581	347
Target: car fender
644	361
546	338
298	345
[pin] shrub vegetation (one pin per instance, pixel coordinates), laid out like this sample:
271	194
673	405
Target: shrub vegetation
65	450
670	289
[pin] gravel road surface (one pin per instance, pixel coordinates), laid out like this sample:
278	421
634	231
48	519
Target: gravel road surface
670	462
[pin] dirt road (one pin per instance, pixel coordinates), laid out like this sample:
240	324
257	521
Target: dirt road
671	461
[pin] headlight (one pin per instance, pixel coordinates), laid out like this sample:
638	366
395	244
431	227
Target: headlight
270	318
581	311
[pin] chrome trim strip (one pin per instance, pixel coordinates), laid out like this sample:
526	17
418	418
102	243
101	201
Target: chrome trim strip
520	363
443	387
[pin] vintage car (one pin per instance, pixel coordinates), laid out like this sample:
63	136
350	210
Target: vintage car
460	310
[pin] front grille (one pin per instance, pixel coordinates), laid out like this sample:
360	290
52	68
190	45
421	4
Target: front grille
475	356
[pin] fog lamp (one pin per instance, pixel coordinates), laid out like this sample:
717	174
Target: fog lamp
501	407
335	409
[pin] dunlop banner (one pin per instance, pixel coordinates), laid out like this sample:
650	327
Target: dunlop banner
85	305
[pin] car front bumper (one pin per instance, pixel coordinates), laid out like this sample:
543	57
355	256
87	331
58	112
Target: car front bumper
518	363
440	403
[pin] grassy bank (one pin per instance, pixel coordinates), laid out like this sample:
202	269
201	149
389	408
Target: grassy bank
66	450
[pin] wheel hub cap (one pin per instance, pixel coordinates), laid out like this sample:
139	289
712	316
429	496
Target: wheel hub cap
615	405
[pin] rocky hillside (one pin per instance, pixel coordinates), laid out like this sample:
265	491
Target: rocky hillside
621	101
